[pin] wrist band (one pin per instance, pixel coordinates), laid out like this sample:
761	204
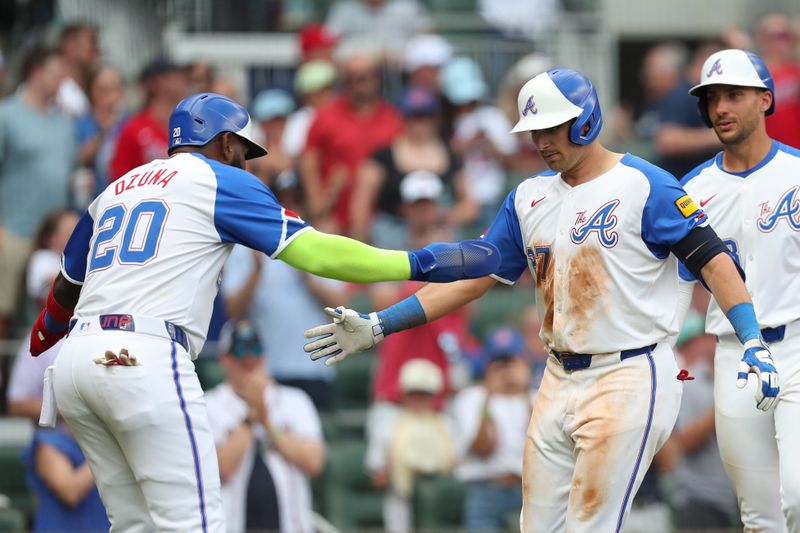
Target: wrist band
405	314
742	317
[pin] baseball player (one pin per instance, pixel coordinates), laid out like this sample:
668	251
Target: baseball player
750	192
140	273
600	233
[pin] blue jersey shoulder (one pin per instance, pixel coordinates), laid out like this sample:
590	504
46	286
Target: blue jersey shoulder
788	149
697	170
652	172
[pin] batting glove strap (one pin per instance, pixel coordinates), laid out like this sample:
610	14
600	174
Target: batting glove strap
443	262
757	360
350	332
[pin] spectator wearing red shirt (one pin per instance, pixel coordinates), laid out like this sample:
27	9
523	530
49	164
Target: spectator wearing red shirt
144	136
343	134
777	39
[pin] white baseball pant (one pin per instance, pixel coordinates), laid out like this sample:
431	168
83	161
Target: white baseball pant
760	449
592	436
143	429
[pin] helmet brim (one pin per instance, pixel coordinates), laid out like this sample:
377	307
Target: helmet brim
544	121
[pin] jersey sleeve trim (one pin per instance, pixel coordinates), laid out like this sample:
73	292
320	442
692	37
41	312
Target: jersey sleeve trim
76	253
502	280
67	276
285	241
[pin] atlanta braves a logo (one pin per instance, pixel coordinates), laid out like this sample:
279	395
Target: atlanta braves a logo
788	209
716	68
601	222
530	105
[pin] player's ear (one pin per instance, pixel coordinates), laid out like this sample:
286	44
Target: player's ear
766	101
226	147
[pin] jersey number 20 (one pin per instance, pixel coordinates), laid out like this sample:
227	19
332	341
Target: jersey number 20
141	234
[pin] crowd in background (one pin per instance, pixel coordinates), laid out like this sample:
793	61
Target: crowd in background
431	163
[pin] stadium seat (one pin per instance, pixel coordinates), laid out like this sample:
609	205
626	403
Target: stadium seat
351	388
12	521
350	501
438	503
500	306
12	479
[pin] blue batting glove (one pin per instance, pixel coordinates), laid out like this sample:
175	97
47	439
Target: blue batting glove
757	360
443	262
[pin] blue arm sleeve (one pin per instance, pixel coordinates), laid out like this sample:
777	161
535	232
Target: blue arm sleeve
247	212
76	253
506	235
669	213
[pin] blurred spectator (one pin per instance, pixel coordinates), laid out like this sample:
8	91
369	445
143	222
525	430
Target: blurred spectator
201	76
62	484
526	20
704	495
413	439
281	303
268	437
24	393
313	85
682	140
80	53
270	110
388	23
98	130
342	135
424	56
144	136
777	40
225	87
316	43
37	153
481	135
535	352
418	147
2	76
526	161
492	418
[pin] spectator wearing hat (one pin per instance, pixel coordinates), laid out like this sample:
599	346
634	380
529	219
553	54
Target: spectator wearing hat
491	419
270	111
704	496
413	439
317	43
144	136
424	56
281	303
268	437
343	134
313	85
377	203
388	24
481	135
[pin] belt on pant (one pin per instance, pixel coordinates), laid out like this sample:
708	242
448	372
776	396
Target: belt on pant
580	361
775	334
147	325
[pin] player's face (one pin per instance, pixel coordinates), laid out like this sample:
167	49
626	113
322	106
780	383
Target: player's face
736	112
553	144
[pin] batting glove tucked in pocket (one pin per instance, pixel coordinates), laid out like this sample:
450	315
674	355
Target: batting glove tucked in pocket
757	360
350	332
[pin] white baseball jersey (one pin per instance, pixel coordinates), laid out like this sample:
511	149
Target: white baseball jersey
600	254
154	242
757	214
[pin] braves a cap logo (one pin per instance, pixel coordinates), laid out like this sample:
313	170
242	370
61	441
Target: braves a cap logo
716	68
530	105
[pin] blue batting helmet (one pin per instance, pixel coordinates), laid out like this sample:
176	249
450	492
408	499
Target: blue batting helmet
558	96
733	67
199	118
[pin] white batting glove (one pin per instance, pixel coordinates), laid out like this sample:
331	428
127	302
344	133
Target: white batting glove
757	360
350	332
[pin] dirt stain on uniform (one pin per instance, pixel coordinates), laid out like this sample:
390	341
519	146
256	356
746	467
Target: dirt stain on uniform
587	282
546	286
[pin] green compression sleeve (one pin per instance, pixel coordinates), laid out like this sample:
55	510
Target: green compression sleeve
337	257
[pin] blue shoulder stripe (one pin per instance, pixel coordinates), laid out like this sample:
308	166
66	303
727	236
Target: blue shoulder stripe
697	170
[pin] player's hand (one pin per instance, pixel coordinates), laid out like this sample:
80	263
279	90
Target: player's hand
350	332
44	338
111	359
757	360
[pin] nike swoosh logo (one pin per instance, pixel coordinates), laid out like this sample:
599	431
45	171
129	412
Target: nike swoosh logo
704	202
488	250
533	203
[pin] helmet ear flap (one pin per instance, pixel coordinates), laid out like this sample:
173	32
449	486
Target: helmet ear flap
702	106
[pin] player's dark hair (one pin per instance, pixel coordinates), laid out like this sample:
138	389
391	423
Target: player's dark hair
35	58
72	30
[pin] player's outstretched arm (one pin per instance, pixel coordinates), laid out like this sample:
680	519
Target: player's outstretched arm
723	278
352	332
338	257
54	318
